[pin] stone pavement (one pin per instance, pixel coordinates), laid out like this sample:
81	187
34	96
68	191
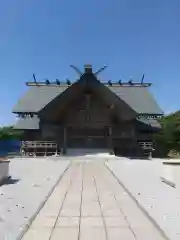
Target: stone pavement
162	202
89	204
32	180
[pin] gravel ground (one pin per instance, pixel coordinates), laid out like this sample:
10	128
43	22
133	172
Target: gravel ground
161	202
32	180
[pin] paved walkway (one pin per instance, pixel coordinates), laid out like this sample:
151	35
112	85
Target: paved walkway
89	204
32	180
161	201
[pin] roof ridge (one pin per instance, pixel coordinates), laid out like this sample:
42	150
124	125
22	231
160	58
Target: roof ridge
125	84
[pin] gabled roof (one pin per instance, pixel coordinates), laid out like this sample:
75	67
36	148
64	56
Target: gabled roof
137	98
150	122
88	83
37	97
33	123
27	123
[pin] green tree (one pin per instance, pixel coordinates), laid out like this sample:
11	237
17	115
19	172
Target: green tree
168	138
8	132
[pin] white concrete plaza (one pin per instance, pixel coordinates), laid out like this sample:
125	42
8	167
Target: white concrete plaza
32	180
89	204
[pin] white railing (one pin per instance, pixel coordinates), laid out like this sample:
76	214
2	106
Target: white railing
34	148
146	145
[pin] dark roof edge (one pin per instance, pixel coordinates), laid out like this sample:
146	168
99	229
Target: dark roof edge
154	116
122	84
51	84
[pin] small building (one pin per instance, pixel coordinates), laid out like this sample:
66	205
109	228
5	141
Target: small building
88	113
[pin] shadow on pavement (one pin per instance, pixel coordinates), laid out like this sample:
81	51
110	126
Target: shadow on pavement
9	181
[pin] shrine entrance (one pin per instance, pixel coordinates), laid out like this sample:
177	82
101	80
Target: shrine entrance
87	137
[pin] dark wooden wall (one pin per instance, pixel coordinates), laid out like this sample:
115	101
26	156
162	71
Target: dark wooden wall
88	111
89	122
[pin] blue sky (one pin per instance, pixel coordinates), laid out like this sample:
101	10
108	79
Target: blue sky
131	37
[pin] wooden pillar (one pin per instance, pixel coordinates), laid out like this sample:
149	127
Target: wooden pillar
64	140
59	141
110	143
